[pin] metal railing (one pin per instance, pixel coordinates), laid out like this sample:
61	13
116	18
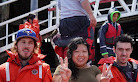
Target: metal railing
128	9
51	27
7	2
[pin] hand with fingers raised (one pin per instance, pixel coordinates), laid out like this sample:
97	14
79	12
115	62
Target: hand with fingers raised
106	76
65	72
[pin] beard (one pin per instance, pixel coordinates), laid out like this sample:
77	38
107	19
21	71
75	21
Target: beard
24	58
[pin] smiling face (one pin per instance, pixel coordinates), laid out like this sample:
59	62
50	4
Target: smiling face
123	51
25	48
115	17
80	56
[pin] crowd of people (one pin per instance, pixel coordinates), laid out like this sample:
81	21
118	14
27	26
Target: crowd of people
75	46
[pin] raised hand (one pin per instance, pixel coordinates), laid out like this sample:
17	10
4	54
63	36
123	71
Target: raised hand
106	75
65	72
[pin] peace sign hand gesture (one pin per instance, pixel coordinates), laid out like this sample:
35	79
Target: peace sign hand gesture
65	72
106	75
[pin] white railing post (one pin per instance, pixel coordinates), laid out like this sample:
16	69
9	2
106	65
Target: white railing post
50	14
13	37
6	34
49	18
34	5
133	8
124	5
57	14
112	4
97	2
98	11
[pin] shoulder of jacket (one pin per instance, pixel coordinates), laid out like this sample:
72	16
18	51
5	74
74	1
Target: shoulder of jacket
105	23
133	60
3	66
117	23
104	26
45	65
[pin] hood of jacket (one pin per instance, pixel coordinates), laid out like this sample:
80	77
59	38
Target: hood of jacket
111	13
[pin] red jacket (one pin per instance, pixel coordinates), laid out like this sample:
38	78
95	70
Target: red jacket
117	75
36	71
90	41
112	33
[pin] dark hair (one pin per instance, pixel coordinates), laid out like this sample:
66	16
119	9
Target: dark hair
30	16
71	47
124	38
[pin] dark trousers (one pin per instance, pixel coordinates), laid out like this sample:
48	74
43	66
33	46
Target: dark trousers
74	27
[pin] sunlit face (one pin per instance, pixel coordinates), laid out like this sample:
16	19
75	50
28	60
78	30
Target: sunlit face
80	56
115	16
25	48
123	51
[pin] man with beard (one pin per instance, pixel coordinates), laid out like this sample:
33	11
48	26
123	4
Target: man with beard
124	68
25	64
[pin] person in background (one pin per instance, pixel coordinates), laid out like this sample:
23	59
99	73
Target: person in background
77	20
75	67
24	63
108	32
32	23
124	68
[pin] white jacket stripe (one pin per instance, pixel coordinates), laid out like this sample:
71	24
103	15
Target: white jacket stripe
40	71
7	72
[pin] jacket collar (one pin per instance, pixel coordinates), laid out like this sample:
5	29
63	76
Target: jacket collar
15	58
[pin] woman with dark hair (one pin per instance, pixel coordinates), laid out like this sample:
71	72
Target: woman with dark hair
78	55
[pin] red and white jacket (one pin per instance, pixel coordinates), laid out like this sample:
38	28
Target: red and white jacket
116	75
36	71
